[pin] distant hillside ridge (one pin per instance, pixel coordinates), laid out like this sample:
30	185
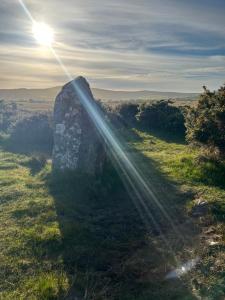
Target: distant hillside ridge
49	94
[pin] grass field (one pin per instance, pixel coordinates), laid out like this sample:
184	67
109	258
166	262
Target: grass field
77	237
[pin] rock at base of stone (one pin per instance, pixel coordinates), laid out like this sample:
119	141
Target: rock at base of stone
77	145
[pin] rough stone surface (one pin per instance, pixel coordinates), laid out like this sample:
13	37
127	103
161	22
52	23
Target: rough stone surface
77	145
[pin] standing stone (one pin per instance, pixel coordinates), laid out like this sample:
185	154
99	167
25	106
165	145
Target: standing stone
77	145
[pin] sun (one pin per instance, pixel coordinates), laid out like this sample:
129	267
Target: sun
43	33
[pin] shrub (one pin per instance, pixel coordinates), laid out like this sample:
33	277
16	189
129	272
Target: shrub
33	133
127	113
8	115
161	115
120	115
206	122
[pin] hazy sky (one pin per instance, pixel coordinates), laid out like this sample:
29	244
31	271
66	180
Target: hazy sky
170	45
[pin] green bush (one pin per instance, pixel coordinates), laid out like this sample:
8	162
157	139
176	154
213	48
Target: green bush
127	113
161	115
8	115
34	133
206	122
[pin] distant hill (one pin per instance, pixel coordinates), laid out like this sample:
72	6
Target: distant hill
135	95
49	94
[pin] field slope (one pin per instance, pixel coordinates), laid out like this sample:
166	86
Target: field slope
81	238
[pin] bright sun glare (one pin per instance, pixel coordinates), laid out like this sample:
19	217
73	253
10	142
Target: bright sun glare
43	34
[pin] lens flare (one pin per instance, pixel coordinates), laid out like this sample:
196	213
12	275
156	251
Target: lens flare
183	269
142	192
43	33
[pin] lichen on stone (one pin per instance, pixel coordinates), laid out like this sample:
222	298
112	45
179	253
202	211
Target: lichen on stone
77	145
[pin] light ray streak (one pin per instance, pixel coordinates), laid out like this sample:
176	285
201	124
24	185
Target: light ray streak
134	181
142	208
119	153
137	205
139	189
27	12
183	269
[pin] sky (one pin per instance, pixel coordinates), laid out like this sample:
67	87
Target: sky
164	45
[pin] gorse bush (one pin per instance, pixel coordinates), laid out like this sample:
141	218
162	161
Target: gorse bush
8	115
206	122
158	115
161	115
34	133
127	113
121	115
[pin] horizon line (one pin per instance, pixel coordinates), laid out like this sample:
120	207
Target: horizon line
103	89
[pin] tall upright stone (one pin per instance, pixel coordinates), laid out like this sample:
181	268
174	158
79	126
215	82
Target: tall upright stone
77	145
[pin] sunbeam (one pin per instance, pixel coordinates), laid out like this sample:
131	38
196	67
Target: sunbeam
43	34
138	186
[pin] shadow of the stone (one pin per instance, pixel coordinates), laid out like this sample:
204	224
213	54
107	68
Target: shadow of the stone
107	251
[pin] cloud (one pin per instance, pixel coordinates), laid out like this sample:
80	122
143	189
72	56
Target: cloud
125	44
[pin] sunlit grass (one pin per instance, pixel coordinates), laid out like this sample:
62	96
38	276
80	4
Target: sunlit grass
78	236
28	231
188	168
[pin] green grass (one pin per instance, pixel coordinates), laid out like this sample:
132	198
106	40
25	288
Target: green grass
76	236
29	230
188	168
